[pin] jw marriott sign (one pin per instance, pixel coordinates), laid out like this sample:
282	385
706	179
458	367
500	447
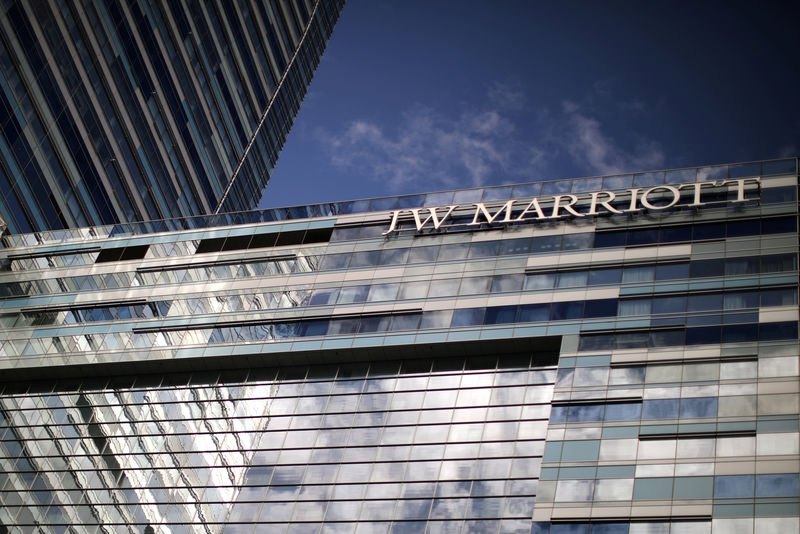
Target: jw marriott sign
632	200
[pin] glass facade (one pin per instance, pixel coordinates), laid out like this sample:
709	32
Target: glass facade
623	360
139	110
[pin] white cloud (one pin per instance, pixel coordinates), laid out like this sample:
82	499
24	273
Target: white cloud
431	151
788	151
568	106
507	95
599	153
426	150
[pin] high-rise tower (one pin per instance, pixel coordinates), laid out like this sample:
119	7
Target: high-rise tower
117	111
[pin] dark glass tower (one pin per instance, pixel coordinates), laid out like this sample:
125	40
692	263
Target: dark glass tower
117	111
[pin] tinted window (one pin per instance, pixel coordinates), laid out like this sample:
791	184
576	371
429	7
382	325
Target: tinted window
423	254
739	333
566	310
638	274
778	225
540	281
500	314
778	263
779	485
708	231
585	412
774	195
609	239
455	251
546	243
597	342
600	308
700	407
676	304
623	411
672	234
577	241
775	331
666	338
703	268
324	296
672	271
604	276
572	279
348	295
778	297
515	246
704	336
507	282
632	340
736	266
335	261
642	237
740	228
484	249
531	313
394	256
660	409
735	486
365	259
710	301
468	317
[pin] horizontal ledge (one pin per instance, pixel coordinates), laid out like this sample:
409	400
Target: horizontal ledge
359	224
83	306
621	263
579	402
66	252
734	358
698	435
638	330
630	519
194	265
544	349
255	322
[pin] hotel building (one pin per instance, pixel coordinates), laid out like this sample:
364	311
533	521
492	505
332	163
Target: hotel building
616	354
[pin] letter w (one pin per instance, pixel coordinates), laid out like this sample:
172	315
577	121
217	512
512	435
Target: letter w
433	216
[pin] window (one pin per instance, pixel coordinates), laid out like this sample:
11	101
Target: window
673	304
353	294
540	281
733	486
672	271
580	451
468	317
122	253
638	274
507	282
660	409
623	411
652	488
778	485
604	276
531	313
574	490
566	310
572	279
600	308
484	249
500	314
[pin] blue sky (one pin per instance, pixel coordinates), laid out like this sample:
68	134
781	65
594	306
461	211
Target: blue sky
415	96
